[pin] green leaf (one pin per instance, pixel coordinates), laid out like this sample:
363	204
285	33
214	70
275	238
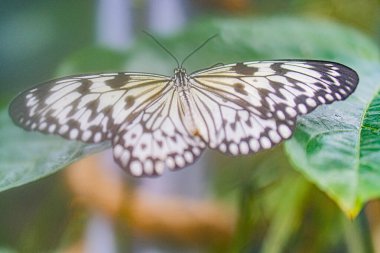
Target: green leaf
26	156
338	147
29	156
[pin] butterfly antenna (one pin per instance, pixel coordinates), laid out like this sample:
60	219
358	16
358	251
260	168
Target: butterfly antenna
199	47
162	46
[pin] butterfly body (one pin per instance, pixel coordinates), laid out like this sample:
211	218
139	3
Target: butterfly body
156	121
182	85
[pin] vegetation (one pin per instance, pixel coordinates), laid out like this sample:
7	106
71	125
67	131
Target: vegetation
306	195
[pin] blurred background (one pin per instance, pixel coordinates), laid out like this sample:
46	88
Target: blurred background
219	204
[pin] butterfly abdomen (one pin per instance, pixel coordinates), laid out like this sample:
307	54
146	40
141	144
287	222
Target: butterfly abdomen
189	114
181	81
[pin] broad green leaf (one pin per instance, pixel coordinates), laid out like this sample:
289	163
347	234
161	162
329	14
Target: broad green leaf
350	179
26	156
338	147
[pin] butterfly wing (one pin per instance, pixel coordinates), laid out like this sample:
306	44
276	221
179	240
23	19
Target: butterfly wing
89	108
240	108
246	107
157	137
140	113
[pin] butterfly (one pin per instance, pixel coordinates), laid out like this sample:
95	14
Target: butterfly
156	121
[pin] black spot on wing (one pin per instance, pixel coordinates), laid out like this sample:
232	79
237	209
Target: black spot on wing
118	80
130	101
85	84
240	88
278	69
241	68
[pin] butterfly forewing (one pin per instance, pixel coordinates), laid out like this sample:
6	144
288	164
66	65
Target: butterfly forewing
86	107
252	106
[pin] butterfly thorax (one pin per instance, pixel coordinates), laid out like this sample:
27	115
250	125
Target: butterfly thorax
180	78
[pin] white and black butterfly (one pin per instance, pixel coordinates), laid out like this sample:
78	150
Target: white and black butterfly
156	121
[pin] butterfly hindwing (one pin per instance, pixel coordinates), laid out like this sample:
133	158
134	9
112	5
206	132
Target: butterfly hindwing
156	138
233	129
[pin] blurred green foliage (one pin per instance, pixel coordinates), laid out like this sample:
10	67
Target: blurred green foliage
36	35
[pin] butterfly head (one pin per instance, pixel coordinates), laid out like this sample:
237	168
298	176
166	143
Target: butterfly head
180	77
178	71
